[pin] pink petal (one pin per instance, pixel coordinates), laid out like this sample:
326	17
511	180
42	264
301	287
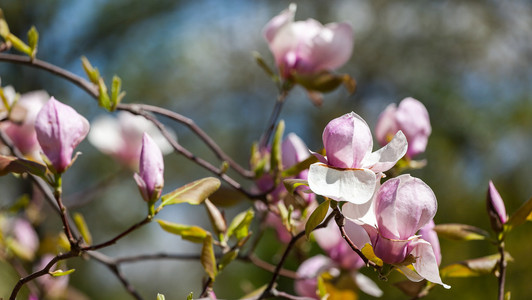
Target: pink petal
332	47
285	17
426	264
308	272
386	126
347	141
413	119
151	167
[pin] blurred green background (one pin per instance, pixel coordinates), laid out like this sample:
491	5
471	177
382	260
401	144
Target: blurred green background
469	62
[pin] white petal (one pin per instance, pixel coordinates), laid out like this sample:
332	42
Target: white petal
410	274
386	157
352	185
426	264
366	285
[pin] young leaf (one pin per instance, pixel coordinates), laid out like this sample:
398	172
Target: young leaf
160	297
83	228
194	234
58	273
461	232
521	215
116	93
367	250
190	296
208	261
297	168
240	224
262	64
316	217
474	267
276	161
103	96
292	184
227	258
19	44
11	164
33	40
193	193
216	217
92	73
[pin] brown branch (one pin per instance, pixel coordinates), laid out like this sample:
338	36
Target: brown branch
39	273
273	119
39	64
116	238
200	133
268	291
502	272
136	109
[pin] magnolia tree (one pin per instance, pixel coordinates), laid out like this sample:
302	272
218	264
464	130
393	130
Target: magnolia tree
356	202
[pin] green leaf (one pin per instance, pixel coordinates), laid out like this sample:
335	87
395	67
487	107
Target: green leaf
474	267
254	294
190	296
4	28
33	40
292	184
19	44
193	193
92	73
216	218
103	96
239	226
523	214
11	164
227	258
191	233
262	64
297	168
208	261
58	273
461	232
83	228
116	93
161	297
316	217
276	160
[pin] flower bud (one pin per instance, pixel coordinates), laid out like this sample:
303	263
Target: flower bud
59	130
496	209
150	178
412	118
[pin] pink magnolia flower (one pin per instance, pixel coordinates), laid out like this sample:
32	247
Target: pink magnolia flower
59	130
428	234
23	134
121	137
402	206
496	209
307	47
349	171
412	118
150	178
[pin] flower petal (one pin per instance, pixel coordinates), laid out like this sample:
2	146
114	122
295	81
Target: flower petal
426	264
347	141
332	46
352	185
386	157
366	285
285	17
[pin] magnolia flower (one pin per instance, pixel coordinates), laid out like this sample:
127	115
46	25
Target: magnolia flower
496	209
121	137
350	170
412	118
402	206
59	130
22	132
307	47
150	178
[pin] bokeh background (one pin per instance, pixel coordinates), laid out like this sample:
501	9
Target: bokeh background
469	62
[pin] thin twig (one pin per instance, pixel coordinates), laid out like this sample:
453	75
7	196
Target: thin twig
135	109
40	273
116	238
502	272
273	119
39	64
200	133
268	291
113	266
